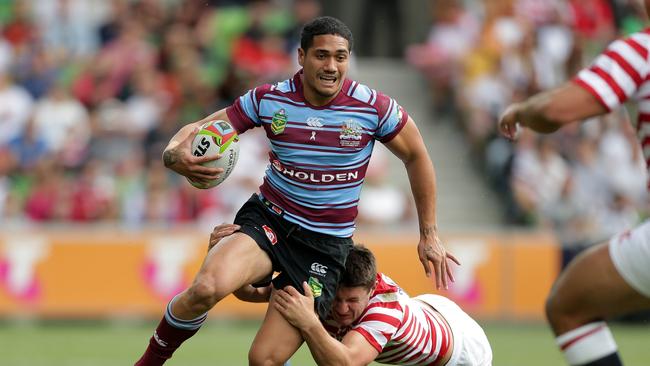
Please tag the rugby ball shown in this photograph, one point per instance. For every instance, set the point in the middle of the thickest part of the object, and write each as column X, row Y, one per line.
column 216, row 137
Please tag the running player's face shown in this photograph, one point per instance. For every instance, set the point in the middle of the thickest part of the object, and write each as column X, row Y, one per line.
column 325, row 65
column 349, row 304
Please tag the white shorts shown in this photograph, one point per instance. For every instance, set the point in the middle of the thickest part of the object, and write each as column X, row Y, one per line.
column 630, row 253
column 471, row 346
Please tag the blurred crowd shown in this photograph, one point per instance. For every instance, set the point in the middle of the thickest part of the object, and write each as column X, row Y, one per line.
column 585, row 182
column 91, row 91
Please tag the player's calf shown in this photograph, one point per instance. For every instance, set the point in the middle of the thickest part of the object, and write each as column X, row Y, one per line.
column 171, row 332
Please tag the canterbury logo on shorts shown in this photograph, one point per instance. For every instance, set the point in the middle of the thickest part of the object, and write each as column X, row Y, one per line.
column 318, row 269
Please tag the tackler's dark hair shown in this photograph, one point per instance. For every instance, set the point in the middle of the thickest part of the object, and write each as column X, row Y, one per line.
column 360, row 268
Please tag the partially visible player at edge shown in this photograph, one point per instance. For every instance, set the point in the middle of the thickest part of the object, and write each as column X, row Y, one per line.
column 321, row 128
column 612, row 278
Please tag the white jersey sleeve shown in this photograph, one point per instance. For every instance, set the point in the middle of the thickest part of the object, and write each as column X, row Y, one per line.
column 618, row 73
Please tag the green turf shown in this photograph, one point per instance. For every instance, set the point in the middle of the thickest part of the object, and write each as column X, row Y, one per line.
column 222, row 343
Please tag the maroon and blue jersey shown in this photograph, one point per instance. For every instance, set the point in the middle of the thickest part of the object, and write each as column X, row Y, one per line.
column 318, row 155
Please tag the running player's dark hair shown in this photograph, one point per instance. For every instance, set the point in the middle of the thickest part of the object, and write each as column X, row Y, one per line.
column 324, row 25
column 360, row 268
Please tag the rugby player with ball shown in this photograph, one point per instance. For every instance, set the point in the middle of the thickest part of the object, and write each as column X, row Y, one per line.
column 321, row 128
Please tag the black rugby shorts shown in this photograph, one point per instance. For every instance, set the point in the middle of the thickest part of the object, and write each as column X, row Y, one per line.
column 297, row 253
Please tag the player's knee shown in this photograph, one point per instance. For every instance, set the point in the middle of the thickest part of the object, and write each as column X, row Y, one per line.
column 205, row 293
column 559, row 313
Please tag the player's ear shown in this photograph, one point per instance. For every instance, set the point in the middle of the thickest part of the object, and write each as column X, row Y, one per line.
column 301, row 56
column 372, row 289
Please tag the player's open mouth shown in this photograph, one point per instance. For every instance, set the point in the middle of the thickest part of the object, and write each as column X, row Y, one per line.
column 328, row 80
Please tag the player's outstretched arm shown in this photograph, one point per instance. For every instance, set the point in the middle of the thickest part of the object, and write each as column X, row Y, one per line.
column 298, row 309
column 178, row 157
column 409, row 147
column 546, row 112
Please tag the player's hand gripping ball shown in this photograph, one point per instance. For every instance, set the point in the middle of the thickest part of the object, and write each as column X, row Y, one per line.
column 217, row 137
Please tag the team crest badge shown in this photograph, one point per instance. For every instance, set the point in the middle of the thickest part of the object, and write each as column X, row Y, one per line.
column 350, row 134
column 279, row 122
column 316, row 286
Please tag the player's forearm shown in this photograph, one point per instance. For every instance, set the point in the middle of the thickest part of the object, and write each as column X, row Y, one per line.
column 326, row 350
column 422, row 178
column 546, row 112
column 249, row 293
column 537, row 114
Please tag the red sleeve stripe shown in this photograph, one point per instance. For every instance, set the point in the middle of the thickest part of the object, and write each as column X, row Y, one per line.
column 373, row 342
column 642, row 51
column 611, row 82
column 592, row 91
column 629, row 70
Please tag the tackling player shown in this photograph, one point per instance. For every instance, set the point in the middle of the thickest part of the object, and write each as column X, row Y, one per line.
column 612, row 278
column 372, row 319
column 321, row 128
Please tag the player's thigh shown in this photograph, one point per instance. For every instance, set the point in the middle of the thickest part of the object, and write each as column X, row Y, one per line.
column 276, row 340
column 591, row 288
column 235, row 261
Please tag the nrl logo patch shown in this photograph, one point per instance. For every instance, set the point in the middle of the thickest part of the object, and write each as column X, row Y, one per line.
column 279, row 122
column 316, row 286
column 350, row 134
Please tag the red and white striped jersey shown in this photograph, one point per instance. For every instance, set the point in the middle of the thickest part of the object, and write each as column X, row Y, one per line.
column 404, row 331
column 622, row 73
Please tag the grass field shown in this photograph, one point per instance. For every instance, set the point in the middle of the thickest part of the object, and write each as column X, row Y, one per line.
column 226, row 343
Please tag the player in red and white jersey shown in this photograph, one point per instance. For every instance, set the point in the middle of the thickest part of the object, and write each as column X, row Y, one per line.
column 612, row 278
column 373, row 319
